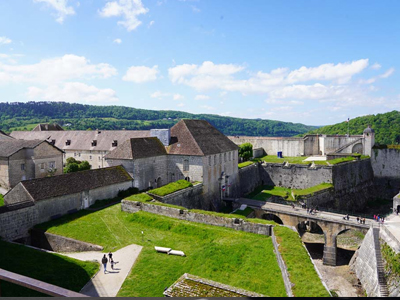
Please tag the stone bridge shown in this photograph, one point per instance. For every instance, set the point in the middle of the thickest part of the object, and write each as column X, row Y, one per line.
column 331, row 224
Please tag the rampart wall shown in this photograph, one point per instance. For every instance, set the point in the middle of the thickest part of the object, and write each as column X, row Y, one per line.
column 209, row 219
column 386, row 166
column 190, row 198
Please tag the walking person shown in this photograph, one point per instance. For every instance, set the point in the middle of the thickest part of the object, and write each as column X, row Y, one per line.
column 112, row 263
column 110, row 255
column 104, row 262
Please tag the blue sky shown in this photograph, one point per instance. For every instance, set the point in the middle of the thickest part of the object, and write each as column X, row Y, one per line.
column 312, row 62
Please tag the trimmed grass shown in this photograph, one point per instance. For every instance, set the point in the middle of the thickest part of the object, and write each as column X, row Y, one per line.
column 245, row 164
column 244, row 212
column 302, row 275
column 1, row 200
column 52, row 268
column 237, row 258
column 143, row 197
column 171, row 188
column 265, row 192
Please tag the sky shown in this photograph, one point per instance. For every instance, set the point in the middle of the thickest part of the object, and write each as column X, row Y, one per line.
column 312, row 62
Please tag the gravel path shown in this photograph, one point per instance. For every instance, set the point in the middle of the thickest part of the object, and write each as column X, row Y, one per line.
column 108, row 284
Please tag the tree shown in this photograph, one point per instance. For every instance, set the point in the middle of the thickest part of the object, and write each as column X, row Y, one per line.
column 84, row 166
column 74, row 165
column 246, row 151
column 69, row 168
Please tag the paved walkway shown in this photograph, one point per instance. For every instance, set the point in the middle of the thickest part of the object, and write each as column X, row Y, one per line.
column 323, row 215
column 392, row 223
column 108, row 284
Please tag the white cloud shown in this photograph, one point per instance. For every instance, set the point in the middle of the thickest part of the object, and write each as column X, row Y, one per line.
column 342, row 72
column 177, row 97
column 140, row 74
column 181, row 104
column 151, row 23
column 61, row 8
column 4, row 40
column 375, row 66
column 72, row 92
column 207, row 107
column 159, row 95
column 195, row 9
column 117, row 41
column 53, row 70
column 387, row 73
column 128, row 9
column 201, row 97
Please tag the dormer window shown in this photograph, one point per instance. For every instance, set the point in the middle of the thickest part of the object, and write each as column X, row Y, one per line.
column 68, row 142
column 53, row 142
column 94, row 143
column 115, row 143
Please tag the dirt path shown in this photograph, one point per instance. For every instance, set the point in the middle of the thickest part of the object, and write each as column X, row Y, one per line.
column 340, row 280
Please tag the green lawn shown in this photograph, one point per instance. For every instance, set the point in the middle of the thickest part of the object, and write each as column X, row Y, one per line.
column 266, row 191
column 302, row 275
column 245, row 164
column 171, row 188
column 56, row 269
column 1, row 200
column 237, row 258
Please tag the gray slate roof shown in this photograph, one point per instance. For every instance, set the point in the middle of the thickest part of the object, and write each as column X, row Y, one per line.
column 138, row 148
column 4, row 136
column 198, row 137
column 9, row 147
column 71, row 183
column 47, row 127
column 82, row 140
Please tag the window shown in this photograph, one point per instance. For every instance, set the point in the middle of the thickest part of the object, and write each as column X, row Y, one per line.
column 225, row 157
column 94, row 143
column 220, row 158
column 185, row 165
column 22, row 167
column 42, row 166
column 52, row 165
column 68, row 142
column 230, row 156
column 90, row 157
column 209, row 160
column 215, row 160
column 79, row 154
column 53, row 142
column 75, row 154
column 115, row 143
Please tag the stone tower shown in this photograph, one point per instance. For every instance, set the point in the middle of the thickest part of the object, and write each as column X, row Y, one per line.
column 369, row 140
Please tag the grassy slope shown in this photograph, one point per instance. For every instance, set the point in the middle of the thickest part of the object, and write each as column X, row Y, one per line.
column 62, row 271
column 232, row 257
column 171, row 188
column 265, row 192
column 302, row 275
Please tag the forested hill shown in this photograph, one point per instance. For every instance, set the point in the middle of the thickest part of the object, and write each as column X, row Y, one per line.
column 24, row 116
column 386, row 126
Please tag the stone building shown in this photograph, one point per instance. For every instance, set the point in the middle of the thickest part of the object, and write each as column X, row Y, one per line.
column 58, row 195
column 145, row 159
column 48, row 127
column 23, row 159
column 309, row 145
column 90, row 145
column 199, row 152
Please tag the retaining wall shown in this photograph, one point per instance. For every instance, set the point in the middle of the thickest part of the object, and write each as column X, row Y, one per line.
column 234, row 223
column 190, row 198
column 366, row 264
column 15, row 221
column 58, row 243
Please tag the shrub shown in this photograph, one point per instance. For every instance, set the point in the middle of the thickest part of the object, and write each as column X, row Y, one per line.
column 246, row 151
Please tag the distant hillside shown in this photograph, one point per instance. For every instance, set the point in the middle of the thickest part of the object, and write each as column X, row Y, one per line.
column 386, row 126
column 24, row 116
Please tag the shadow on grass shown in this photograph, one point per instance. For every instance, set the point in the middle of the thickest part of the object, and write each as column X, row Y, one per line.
column 51, row 268
column 63, row 220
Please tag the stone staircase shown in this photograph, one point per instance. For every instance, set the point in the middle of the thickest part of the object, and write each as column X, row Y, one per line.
column 347, row 145
column 384, row 292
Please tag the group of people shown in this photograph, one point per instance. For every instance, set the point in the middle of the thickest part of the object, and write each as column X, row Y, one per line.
column 360, row 220
column 104, row 261
column 312, row 210
column 379, row 218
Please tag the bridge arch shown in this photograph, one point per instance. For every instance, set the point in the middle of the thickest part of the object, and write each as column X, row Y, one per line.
column 357, row 148
column 272, row 217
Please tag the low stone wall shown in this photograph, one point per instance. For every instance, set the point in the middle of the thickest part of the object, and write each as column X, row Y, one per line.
column 249, row 178
column 190, row 197
column 16, row 220
column 282, row 266
column 366, row 265
column 58, row 243
column 234, row 223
